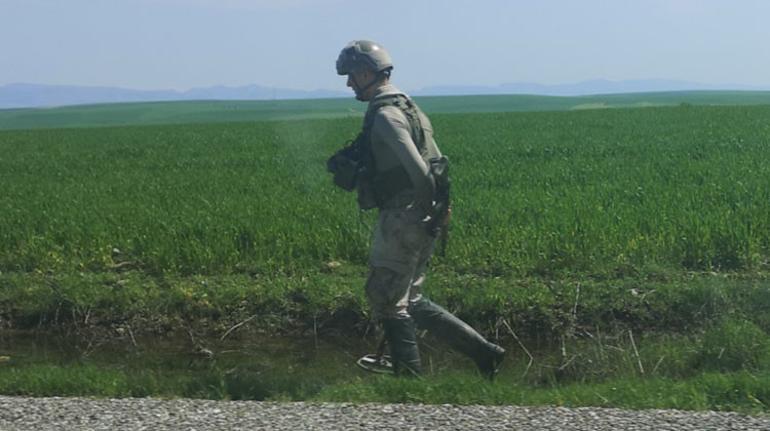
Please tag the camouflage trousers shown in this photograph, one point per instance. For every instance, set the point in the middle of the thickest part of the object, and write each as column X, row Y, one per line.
column 401, row 249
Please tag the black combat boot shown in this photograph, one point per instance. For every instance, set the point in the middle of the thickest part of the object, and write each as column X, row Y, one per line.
column 402, row 342
column 458, row 335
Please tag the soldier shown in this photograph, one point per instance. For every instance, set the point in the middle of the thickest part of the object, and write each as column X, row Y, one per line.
column 396, row 167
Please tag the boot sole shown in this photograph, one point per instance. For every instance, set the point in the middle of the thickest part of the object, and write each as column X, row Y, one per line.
column 379, row 364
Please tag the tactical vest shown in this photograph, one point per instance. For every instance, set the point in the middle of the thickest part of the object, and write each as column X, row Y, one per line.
column 383, row 186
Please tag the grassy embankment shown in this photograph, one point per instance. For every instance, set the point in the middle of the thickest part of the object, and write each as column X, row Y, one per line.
column 650, row 225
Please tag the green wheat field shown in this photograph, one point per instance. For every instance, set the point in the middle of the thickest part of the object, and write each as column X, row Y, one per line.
column 685, row 188
column 645, row 215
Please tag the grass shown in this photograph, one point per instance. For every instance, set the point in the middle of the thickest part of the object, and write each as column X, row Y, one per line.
column 321, row 300
column 229, row 220
column 625, row 248
column 680, row 372
column 744, row 392
column 679, row 379
column 536, row 194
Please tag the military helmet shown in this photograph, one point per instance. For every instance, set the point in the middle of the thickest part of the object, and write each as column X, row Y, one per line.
column 363, row 53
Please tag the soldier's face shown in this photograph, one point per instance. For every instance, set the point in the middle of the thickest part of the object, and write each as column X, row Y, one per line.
column 359, row 80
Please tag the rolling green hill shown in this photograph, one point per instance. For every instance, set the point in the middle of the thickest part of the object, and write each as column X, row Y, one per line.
column 261, row 110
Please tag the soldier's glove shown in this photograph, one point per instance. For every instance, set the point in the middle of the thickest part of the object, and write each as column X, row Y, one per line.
column 344, row 168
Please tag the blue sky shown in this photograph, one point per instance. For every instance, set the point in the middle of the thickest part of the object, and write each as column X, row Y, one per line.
column 180, row 44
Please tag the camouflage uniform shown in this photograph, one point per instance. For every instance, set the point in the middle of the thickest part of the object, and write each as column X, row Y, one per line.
column 396, row 147
column 401, row 244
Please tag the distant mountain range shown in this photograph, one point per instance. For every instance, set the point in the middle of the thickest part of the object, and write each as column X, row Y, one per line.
column 39, row 95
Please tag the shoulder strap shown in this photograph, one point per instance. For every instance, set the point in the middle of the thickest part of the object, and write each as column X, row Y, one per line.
column 405, row 105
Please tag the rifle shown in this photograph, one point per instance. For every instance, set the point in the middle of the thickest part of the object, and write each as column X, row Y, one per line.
column 441, row 212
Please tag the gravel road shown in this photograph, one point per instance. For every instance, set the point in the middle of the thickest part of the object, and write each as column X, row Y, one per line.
column 42, row 414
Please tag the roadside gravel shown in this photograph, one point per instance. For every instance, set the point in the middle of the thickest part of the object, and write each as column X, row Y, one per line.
column 43, row 414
